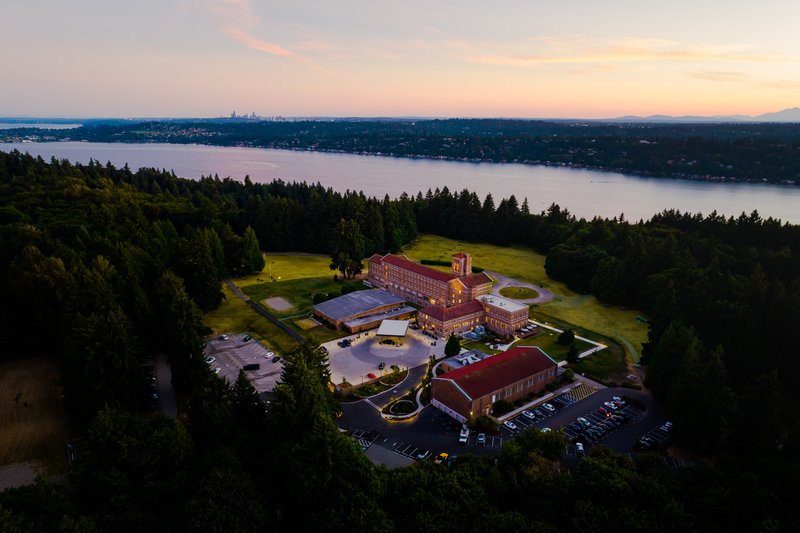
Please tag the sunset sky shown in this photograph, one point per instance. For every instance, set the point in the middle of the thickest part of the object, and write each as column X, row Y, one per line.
column 510, row 58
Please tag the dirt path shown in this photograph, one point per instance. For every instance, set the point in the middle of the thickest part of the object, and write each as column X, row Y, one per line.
column 504, row 281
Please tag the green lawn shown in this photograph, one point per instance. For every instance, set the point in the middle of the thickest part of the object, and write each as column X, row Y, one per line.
column 299, row 292
column 527, row 265
column 296, row 278
column 519, row 293
column 288, row 267
column 548, row 341
column 235, row 316
column 479, row 346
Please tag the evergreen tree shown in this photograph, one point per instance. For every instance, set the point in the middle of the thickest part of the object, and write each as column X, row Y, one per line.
column 453, row 346
column 253, row 258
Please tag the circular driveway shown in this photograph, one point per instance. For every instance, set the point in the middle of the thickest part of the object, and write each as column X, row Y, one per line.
column 366, row 353
column 502, row 281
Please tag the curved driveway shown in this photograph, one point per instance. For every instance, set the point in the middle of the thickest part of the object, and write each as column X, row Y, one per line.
column 504, row 281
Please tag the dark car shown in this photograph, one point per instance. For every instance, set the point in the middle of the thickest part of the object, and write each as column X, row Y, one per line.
column 247, row 338
column 381, row 366
column 276, row 358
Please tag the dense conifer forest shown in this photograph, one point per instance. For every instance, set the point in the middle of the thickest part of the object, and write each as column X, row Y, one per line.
column 102, row 266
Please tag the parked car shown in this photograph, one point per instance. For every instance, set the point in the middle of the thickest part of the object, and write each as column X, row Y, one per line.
column 579, row 448
column 510, row 425
column 549, row 407
column 251, row 366
column 529, row 415
column 210, row 359
column 463, row 436
column 602, row 411
column 217, row 370
column 276, row 358
column 372, row 376
column 610, row 406
column 539, row 413
column 441, row 458
column 545, row 430
column 584, row 422
column 481, row 438
column 381, row 366
column 223, row 337
column 246, row 338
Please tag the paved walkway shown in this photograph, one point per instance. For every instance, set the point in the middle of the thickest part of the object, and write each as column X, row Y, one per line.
column 504, row 281
column 413, row 379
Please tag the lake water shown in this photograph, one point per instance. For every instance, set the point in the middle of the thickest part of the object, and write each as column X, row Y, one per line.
column 585, row 193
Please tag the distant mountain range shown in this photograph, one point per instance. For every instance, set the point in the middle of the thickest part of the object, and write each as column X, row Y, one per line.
column 791, row 114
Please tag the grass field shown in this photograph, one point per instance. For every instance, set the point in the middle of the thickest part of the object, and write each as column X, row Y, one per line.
column 296, row 278
column 584, row 311
column 520, row 293
column 289, row 267
column 299, row 292
column 235, row 316
column 37, row 432
column 548, row 341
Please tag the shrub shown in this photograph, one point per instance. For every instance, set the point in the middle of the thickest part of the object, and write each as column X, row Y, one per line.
column 569, row 375
column 484, row 424
column 502, row 407
column 566, row 337
column 551, row 387
column 319, row 298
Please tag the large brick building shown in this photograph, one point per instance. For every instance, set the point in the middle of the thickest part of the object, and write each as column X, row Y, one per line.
column 472, row 390
column 423, row 285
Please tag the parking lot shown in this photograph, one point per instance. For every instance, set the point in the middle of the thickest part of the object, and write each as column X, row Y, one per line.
column 589, row 423
column 231, row 352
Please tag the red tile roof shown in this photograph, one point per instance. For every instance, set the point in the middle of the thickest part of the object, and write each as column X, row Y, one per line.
column 443, row 314
column 499, row 371
column 460, row 255
column 404, row 262
column 377, row 258
column 474, row 280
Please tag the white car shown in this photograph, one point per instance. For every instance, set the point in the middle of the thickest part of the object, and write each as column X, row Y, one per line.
column 529, row 415
column 463, row 436
column 610, row 406
column 510, row 425
column 217, row 370
column 549, row 407
column 210, row 359
column 579, row 448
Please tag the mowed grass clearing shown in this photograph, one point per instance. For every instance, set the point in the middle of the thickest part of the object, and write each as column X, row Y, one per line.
column 519, row 293
column 525, row 264
column 296, row 278
column 285, row 267
column 37, row 432
column 235, row 316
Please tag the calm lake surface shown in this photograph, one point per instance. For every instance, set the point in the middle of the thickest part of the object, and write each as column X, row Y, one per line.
column 585, row 193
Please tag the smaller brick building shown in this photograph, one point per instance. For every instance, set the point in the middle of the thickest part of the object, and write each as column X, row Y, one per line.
column 442, row 321
column 501, row 315
column 474, row 389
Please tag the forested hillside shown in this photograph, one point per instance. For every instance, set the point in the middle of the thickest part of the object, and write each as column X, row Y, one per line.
column 101, row 267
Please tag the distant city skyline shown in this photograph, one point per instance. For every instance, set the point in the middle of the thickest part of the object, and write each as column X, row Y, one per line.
column 182, row 58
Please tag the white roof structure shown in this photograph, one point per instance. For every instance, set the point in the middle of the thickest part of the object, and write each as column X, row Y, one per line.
column 393, row 328
column 502, row 303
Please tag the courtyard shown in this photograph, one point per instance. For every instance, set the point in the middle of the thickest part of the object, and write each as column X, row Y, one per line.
column 365, row 353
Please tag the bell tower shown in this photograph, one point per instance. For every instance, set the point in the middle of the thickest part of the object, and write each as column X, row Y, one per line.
column 461, row 264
